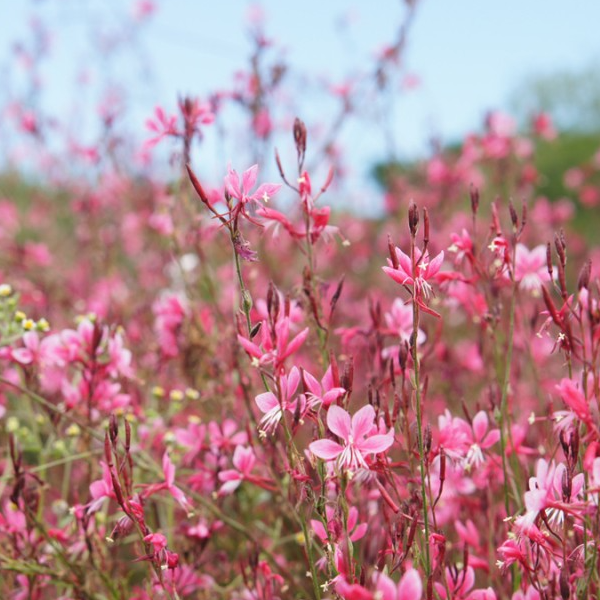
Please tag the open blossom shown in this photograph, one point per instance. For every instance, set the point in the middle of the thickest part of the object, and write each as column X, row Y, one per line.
column 546, row 493
column 273, row 407
column 356, row 532
column 574, row 398
column 399, row 321
column 324, row 392
column 169, row 485
column 274, row 348
column 531, row 269
column 356, row 434
column 241, row 190
column 243, row 461
column 417, row 276
column 482, row 439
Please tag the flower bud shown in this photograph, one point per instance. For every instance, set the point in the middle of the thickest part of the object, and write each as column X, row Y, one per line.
column 413, row 219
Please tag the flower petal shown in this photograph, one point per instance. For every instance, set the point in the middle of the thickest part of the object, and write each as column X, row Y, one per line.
column 376, row 444
column 249, row 179
column 480, row 425
column 325, row 449
column 266, row 401
column 338, row 421
column 362, row 422
column 410, row 586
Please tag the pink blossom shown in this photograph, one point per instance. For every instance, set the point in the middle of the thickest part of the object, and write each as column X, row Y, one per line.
column 481, row 439
column 531, row 269
column 409, row 587
column 356, row 434
column 274, row 348
column 356, row 532
column 272, row 406
column 241, row 190
column 323, row 393
column 573, row 397
column 162, row 125
column 418, row 276
column 243, row 461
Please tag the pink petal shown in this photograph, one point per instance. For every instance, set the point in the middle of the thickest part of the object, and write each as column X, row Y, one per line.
column 229, row 487
column 338, row 421
column 180, row 498
column 480, row 425
column 230, row 475
column 352, row 518
column 327, row 381
column 319, row 529
column 491, row 438
column 332, row 395
column 22, row 356
column 404, row 261
column 362, row 422
column 232, row 184
column 249, row 179
column 386, row 588
column 314, row 387
column 249, row 347
column 292, row 382
column 410, row 587
column 295, row 344
column 244, row 459
column 376, row 444
column 270, row 189
column 266, row 401
column 168, row 469
column 398, row 276
column 435, row 264
column 325, row 449
column 359, row 532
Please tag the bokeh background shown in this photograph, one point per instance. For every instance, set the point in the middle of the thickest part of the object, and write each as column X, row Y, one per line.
column 67, row 63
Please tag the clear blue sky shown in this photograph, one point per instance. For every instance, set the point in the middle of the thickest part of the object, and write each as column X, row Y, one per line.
column 469, row 54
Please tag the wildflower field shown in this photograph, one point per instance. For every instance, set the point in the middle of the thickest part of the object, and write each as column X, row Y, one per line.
column 219, row 383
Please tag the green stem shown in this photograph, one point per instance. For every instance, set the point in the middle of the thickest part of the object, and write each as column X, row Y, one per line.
column 420, row 436
column 504, row 422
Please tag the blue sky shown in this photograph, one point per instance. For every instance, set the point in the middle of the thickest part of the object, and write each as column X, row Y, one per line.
column 468, row 54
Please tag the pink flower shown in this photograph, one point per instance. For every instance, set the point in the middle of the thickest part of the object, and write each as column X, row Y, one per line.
column 356, row 532
column 323, row 393
column 242, row 192
column 542, row 126
column 482, row 439
column 169, row 473
column 416, row 276
column 157, row 540
column 162, row 125
column 573, row 397
column 410, row 587
column 546, row 493
column 31, row 350
column 272, row 406
column 355, row 432
column 531, row 269
column 399, row 320
column 100, row 489
column 243, row 461
column 275, row 348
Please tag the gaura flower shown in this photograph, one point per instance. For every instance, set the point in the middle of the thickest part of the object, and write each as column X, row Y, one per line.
column 355, row 432
column 417, row 276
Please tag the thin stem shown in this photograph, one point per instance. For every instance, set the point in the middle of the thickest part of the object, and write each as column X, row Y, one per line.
column 417, row 386
column 504, row 397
